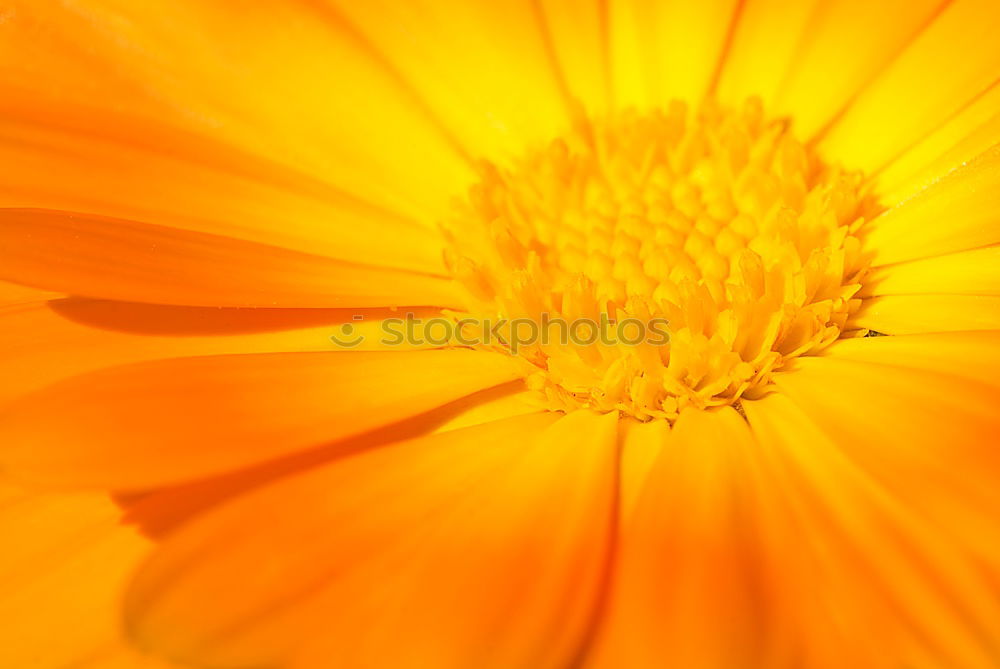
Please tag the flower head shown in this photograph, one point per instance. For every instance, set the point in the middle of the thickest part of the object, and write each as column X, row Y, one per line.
column 718, row 380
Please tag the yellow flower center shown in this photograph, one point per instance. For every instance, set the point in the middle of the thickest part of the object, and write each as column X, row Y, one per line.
column 716, row 228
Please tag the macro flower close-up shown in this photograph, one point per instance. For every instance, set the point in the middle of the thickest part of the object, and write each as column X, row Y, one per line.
column 535, row 334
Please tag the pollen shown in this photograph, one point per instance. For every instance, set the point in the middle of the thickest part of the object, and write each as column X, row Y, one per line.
column 714, row 229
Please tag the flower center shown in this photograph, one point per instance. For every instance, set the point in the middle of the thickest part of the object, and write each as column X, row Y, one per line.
column 726, row 245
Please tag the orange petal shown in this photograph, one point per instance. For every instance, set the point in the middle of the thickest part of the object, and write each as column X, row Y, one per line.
column 957, row 213
column 952, row 483
column 166, row 421
column 44, row 341
column 641, row 447
column 222, row 71
column 14, row 296
column 101, row 257
column 63, row 569
column 479, row 547
column 951, row 62
column 886, row 465
column 86, row 163
column 683, row 593
column 161, row 510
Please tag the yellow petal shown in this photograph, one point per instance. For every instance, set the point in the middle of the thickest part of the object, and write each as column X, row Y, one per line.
column 579, row 37
column 844, row 44
column 971, row 132
column 167, row 421
column 479, row 547
column 951, row 62
column 667, row 50
column 957, row 213
column 968, row 355
column 912, row 314
column 975, row 272
column 484, row 69
column 764, row 48
column 118, row 259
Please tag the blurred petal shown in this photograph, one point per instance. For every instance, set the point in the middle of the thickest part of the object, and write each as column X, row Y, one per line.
column 684, row 590
column 222, row 70
column 87, row 162
column 484, row 68
column 843, row 46
column 641, row 447
column 166, row 421
column 63, row 569
column 483, row 546
column 954, row 60
column 764, row 48
column 667, row 50
column 43, row 341
column 901, row 502
column 579, row 34
column 160, row 511
column 118, row 259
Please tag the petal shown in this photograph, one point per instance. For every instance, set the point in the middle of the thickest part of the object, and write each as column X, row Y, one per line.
column 888, row 463
column 15, row 296
column 641, row 447
column 118, row 259
column 913, row 314
column 166, row 421
column 957, row 213
column 683, row 592
column 971, row 132
column 668, row 50
column 480, row 547
column 222, row 71
column 844, row 45
column 484, row 68
column 968, row 355
column 951, row 484
column 764, row 48
column 579, row 35
column 43, row 341
column 975, row 272
column 160, row 511
column 954, row 60
column 187, row 181
column 63, row 568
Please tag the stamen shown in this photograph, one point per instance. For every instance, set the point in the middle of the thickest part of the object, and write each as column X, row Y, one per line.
column 718, row 221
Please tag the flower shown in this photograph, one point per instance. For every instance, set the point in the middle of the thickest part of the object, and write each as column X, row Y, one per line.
column 203, row 201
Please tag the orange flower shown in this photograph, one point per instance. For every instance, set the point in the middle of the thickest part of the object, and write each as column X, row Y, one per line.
column 299, row 301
